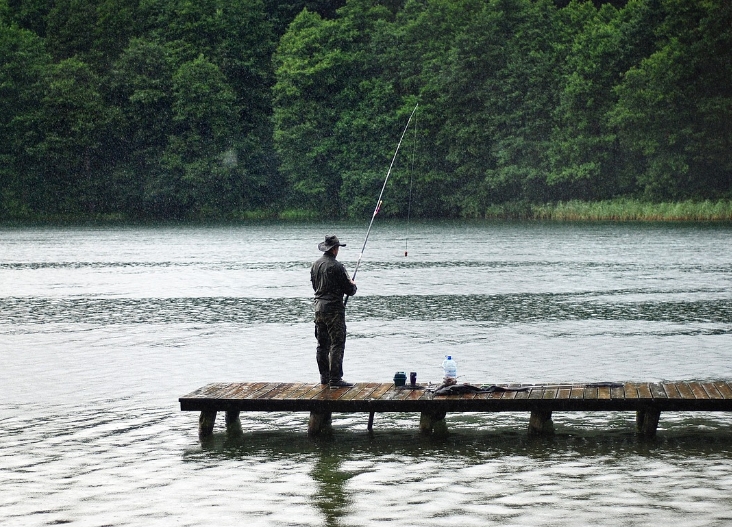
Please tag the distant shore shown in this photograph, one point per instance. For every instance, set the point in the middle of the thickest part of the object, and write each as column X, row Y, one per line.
column 620, row 210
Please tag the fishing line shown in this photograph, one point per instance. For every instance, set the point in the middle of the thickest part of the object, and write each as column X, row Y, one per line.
column 378, row 201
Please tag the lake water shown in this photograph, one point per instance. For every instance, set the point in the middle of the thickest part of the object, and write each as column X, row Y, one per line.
column 103, row 328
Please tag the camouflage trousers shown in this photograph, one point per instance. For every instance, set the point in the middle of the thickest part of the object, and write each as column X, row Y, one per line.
column 330, row 330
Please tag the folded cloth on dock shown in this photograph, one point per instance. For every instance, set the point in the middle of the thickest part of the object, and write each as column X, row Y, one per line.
column 460, row 389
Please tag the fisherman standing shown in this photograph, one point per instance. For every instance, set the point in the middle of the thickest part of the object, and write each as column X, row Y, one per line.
column 330, row 282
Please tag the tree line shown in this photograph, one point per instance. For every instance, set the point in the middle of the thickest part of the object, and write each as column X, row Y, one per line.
column 222, row 108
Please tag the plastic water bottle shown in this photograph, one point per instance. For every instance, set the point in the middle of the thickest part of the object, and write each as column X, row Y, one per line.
column 450, row 368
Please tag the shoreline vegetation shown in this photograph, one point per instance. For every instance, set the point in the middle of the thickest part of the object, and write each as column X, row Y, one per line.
column 176, row 110
column 619, row 210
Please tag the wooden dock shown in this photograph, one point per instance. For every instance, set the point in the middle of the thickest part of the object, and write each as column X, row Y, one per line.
column 648, row 400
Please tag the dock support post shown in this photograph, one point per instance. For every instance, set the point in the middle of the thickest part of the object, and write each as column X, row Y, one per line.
column 233, row 424
column 540, row 422
column 232, row 416
column 371, row 422
column 433, row 423
column 646, row 420
column 320, row 422
column 206, row 423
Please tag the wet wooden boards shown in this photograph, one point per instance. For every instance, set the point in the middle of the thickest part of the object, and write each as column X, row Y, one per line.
column 647, row 399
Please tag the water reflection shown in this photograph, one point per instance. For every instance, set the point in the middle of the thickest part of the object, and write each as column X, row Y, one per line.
column 473, row 439
column 489, row 469
column 331, row 498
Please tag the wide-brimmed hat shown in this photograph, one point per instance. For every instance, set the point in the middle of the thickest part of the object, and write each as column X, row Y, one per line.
column 330, row 242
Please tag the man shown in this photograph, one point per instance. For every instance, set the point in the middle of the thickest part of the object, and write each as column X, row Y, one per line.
column 330, row 282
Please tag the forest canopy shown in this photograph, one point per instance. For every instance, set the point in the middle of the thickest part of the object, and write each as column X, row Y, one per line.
column 218, row 108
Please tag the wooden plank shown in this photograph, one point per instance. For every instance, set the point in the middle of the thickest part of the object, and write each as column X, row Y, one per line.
column 617, row 392
column 631, row 390
column 316, row 391
column 369, row 391
column 577, row 392
column 550, row 393
column 266, row 390
column 404, row 395
column 272, row 394
column 348, row 391
column 536, row 392
column 711, row 390
column 358, row 392
column 296, row 392
column 286, row 391
column 506, row 396
column 685, row 390
column 564, row 392
column 381, row 390
column 232, row 391
column 724, row 389
column 244, row 390
column 698, row 390
column 417, row 395
column 391, row 393
column 644, row 391
column 603, row 392
column 219, row 392
column 657, row 391
column 672, row 392
column 523, row 395
column 590, row 393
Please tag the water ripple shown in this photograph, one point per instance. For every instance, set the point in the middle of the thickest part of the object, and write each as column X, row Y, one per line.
column 499, row 309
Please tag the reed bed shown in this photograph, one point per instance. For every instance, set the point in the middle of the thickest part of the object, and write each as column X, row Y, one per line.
column 616, row 210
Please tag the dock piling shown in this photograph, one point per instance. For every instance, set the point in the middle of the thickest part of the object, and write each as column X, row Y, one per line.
column 206, row 423
column 433, row 422
column 540, row 423
column 320, row 423
column 646, row 420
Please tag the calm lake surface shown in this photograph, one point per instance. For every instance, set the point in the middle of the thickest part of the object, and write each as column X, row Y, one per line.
column 103, row 328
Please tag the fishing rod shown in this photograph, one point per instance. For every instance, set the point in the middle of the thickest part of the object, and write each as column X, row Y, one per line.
column 378, row 201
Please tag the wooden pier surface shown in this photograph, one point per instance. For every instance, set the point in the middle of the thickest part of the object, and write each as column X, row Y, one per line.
column 385, row 397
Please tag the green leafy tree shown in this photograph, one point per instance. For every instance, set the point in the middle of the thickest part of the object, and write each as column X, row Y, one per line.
column 200, row 173
column 26, row 14
column 675, row 107
column 142, row 88
column 499, row 95
column 74, row 122
column 22, row 71
column 314, row 65
column 415, row 55
column 236, row 37
column 585, row 158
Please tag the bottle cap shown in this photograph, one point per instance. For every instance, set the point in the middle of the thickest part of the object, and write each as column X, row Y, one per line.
column 449, row 357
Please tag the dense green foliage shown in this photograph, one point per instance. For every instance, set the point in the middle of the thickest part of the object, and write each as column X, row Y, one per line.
column 227, row 108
